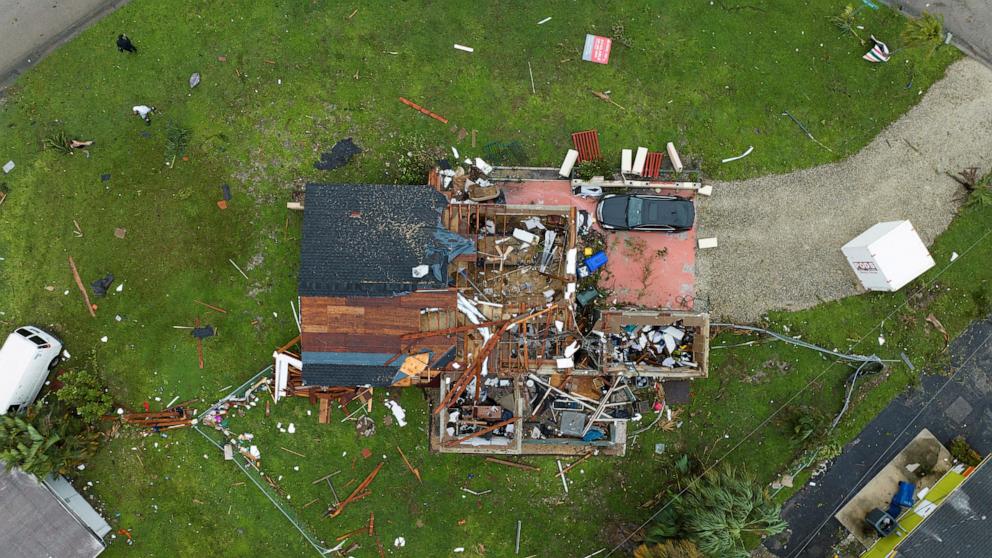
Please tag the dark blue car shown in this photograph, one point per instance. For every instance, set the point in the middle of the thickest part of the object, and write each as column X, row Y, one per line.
column 645, row 212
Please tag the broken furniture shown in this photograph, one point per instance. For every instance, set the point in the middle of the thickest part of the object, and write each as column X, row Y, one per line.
column 658, row 344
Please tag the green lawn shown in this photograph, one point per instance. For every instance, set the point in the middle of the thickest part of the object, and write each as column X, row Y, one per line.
column 297, row 77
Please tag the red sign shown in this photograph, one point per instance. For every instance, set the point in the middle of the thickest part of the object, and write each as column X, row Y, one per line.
column 597, row 49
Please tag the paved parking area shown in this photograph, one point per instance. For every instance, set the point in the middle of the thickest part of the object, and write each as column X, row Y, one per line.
column 656, row 270
column 30, row 29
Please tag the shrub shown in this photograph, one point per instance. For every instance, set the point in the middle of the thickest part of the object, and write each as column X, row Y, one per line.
column 981, row 194
column 413, row 165
column 588, row 169
column 963, row 452
column 45, row 441
column 84, row 392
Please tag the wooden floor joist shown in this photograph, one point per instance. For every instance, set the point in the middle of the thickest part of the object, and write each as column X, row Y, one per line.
column 324, row 413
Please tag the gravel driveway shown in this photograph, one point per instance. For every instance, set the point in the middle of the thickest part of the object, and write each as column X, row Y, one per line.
column 780, row 236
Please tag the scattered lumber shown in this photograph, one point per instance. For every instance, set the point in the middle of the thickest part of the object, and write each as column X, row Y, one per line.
column 359, row 493
column 173, row 417
column 324, row 412
column 349, row 534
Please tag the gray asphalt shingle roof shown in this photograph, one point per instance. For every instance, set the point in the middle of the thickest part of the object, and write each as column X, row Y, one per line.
column 348, row 375
column 961, row 527
column 34, row 523
column 365, row 239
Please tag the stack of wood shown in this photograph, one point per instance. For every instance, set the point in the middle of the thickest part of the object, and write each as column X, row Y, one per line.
column 174, row 417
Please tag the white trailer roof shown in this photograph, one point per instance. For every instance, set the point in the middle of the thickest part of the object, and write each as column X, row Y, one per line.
column 895, row 249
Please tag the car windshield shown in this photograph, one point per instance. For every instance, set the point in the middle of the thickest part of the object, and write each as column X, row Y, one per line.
column 634, row 208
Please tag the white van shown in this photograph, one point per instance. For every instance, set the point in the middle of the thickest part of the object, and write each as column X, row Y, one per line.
column 25, row 360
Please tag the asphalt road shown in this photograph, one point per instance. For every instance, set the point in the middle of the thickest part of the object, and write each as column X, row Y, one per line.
column 961, row 405
column 30, row 29
column 970, row 21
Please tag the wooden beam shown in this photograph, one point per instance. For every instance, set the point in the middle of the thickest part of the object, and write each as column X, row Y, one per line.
column 515, row 464
column 448, row 331
column 414, row 470
column 466, row 378
column 288, row 345
column 216, row 308
column 82, row 289
column 574, row 463
column 359, row 491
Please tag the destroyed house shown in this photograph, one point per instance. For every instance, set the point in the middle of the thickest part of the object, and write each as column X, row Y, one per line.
column 374, row 267
column 401, row 286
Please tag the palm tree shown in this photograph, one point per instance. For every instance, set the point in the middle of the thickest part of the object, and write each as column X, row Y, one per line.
column 924, row 31
column 847, row 21
column 717, row 511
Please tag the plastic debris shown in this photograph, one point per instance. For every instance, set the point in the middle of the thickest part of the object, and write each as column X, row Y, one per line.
column 398, row 412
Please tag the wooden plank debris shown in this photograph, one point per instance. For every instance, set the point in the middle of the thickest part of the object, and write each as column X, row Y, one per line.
column 357, row 494
column 515, row 464
column 414, row 470
column 325, row 477
column 561, row 473
column 324, row 412
column 297, row 454
column 210, row 306
column 413, row 105
column 238, row 268
column 574, row 463
column 82, row 289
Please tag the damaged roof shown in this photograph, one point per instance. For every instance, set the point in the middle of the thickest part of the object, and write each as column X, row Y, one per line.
column 365, row 239
column 348, row 341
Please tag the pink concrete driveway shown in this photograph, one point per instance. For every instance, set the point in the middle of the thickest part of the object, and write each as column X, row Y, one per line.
column 656, row 270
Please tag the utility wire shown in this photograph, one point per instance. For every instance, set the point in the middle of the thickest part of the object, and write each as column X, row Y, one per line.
column 788, row 402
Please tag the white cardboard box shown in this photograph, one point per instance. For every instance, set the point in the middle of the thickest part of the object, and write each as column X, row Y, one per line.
column 888, row 256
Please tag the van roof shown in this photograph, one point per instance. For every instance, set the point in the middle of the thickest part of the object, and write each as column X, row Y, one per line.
column 15, row 357
column 16, row 353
